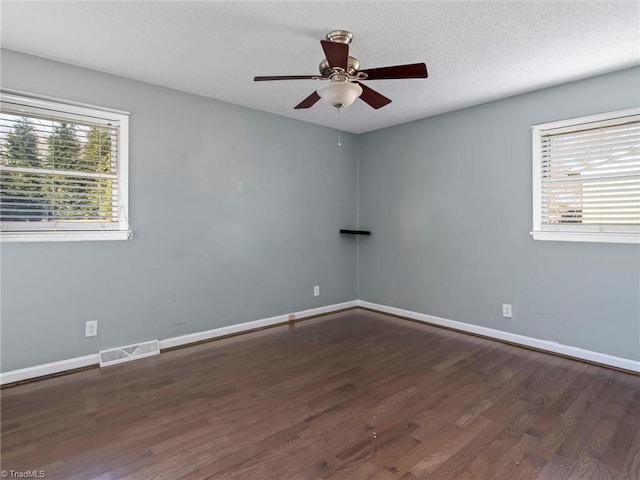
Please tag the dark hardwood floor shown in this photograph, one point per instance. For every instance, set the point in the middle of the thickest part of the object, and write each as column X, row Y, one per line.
column 356, row 395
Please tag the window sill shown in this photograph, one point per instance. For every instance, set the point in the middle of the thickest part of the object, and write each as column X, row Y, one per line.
column 587, row 237
column 61, row 236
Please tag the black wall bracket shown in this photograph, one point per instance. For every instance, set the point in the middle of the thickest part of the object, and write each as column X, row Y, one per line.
column 355, row 232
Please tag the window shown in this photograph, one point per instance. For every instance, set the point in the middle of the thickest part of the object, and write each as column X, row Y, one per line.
column 586, row 178
column 63, row 171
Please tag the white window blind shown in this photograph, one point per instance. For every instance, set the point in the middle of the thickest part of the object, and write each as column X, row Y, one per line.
column 63, row 169
column 587, row 178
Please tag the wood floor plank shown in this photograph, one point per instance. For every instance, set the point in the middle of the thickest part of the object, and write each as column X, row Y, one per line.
column 631, row 467
column 558, row 468
column 356, row 395
column 583, row 430
column 506, row 466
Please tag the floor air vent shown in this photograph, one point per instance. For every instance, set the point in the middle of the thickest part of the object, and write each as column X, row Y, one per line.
column 128, row 353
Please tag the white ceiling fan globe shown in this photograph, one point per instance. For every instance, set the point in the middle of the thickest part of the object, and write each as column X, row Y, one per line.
column 340, row 94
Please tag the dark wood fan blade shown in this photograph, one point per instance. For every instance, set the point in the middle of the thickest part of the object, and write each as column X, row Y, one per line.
column 413, row 70
column 337, row 53
column 373, row 98
column 310, row 101
column 285, row 77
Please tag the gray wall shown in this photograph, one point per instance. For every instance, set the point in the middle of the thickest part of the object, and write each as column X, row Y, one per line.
column 235, row 213
column 448, row 200
column 236, row 216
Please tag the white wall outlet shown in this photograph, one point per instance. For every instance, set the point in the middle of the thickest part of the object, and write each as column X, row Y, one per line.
column 316, row 291
column 507, row 310
column 91, row 328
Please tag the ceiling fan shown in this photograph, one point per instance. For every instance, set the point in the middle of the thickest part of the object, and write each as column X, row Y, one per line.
column 346, row 78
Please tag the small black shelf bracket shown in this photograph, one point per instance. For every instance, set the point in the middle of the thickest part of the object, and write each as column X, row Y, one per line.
column 355, row 232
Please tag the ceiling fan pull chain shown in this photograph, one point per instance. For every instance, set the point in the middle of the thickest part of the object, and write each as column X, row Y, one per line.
column 339, row 128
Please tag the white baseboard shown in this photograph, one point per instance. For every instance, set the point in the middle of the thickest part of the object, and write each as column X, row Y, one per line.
column 546, row 345
column 48, row 368
column 94, row 359
column 243, row 327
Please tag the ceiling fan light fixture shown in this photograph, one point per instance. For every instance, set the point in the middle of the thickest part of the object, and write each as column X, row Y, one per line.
column 340, row 94
column 343, row 71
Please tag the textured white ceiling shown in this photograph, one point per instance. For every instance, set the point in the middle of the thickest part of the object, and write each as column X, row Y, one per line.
column 475, row 51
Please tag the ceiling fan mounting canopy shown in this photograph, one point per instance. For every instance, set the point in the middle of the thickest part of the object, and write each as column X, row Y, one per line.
column 339, row 36
column 345, row 75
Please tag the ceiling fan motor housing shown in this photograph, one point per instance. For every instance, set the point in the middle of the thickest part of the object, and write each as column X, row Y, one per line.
column 352, row 67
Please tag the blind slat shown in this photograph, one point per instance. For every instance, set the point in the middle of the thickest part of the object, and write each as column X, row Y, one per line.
column 45, row 172
column 590, row 174
column 57, row 167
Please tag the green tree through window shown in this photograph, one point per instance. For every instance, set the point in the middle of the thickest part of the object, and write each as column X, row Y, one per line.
column 20, row 195
column 60, row 147
column 97, row 153
column 63, row 171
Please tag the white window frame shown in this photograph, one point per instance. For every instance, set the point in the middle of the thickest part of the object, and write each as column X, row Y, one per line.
column 593, row 233
column 30, row 103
